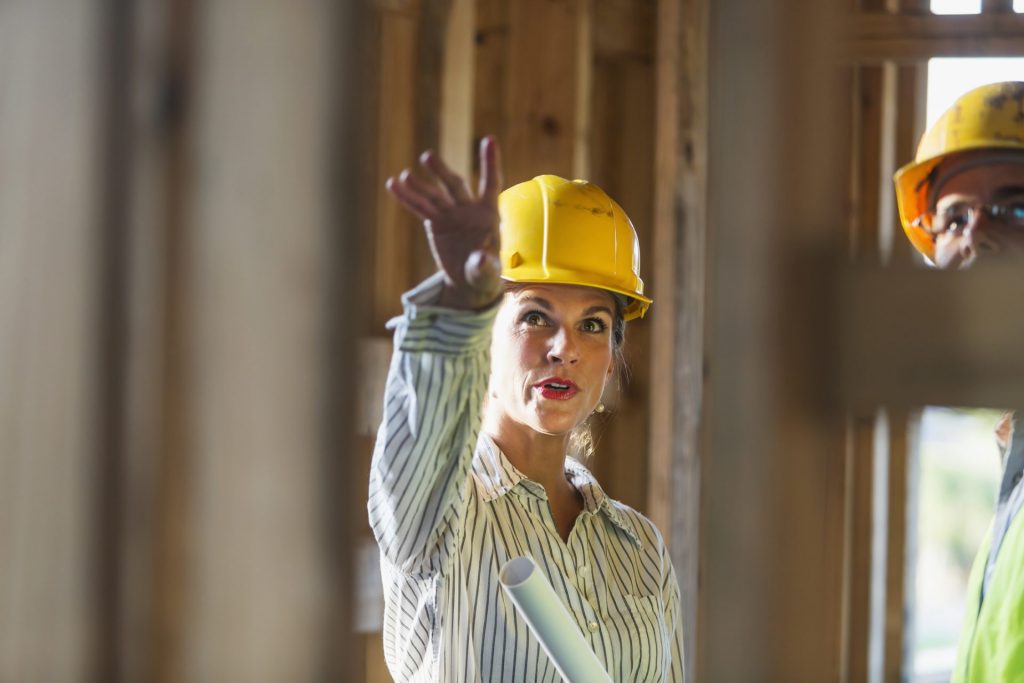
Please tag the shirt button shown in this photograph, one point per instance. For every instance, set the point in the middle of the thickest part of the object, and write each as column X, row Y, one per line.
column 584, row 571
column 592, row 627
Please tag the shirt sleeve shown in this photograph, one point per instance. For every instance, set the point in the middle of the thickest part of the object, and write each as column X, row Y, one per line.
column 432, row 412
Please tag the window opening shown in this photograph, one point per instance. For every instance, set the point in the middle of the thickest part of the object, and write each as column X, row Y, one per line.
column 956, row 6
column 958, row 470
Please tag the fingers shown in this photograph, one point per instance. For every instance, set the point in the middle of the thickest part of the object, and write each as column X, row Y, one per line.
column 433, row 193
column 429, row 200
column 491, row 179
column 410, row 198
column 449, row 179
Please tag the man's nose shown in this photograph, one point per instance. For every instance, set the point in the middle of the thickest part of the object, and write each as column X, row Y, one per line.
column 981, row 237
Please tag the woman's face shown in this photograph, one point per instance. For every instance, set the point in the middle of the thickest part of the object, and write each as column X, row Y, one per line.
column 551, row 355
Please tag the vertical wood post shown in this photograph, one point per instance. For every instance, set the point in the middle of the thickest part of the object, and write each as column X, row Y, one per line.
column 53, row 79
column 547, row 121
column 678, row 322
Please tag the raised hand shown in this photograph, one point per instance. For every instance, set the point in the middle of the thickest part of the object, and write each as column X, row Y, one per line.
column 462, row 228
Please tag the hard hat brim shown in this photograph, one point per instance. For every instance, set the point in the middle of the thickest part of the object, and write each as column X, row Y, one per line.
column 912, row 198
column 638, row 303
column 913, row 183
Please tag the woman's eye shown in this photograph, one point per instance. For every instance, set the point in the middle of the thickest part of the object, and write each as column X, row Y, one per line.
column 594, row 325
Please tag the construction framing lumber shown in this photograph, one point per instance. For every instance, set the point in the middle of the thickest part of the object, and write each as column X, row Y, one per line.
column 877, row 37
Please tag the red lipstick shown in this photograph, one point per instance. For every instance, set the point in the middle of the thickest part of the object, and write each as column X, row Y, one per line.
column 557, row 388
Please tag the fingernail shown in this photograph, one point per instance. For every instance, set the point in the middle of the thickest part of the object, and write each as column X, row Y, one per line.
column 404, row 175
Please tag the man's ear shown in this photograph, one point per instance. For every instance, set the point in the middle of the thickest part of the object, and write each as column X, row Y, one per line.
column 1004, row 430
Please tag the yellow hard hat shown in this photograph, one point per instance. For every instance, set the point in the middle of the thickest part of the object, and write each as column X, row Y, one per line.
column 570, row 232
column 989, row 117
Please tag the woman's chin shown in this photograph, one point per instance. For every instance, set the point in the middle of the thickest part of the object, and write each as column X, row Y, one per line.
column 555, row 424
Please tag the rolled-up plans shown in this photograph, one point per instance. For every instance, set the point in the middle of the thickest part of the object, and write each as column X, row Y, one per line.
column 556, row 631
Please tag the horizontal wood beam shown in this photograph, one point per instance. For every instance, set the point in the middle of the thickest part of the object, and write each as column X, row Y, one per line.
column 396, row 5
column 876, row 37
column 915, row 337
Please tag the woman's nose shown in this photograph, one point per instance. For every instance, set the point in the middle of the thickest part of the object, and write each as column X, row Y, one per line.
column 563, row 348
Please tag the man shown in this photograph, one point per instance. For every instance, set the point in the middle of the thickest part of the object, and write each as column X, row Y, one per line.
column 961, row 200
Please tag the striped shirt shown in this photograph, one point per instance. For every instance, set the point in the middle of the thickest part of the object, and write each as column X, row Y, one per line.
column 448, row 510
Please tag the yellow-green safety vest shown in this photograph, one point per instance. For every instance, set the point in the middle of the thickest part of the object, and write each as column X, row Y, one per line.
column 991, row 646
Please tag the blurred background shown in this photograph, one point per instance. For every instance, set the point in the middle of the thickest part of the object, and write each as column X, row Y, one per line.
column 197, row 260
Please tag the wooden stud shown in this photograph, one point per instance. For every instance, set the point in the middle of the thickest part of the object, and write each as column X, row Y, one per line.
column 664, row 252
column 427, row 86
column 996, row 7
column 896, row 549
column 865, row 241
column 621, row 145
column 858, row 547
column 53, row 80
column 775, row 136
column 546, row 120
column 584, row 85
column 376, row 669
column 624, row 29
column 396, row 229
column 260, row 585
column 910, row 107
column 341, row 652
column 435, row 20
column 677, row 326
column 915, row 6
column 172, row 556
column 457, row 78
column 490, row 109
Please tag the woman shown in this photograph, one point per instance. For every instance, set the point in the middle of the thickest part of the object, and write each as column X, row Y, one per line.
column 499, row 358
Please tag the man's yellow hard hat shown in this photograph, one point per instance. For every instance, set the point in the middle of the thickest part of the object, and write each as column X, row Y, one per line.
column 555, row 230
column 989, row 117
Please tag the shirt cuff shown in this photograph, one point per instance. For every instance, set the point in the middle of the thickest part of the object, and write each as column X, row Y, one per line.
column 427, row 326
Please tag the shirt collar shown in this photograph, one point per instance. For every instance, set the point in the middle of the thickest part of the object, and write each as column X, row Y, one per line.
column 495, row 476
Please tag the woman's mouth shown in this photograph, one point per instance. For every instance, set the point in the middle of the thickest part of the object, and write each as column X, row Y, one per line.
column 557, row 388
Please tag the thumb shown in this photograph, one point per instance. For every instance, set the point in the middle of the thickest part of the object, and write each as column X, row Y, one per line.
column 483, row 272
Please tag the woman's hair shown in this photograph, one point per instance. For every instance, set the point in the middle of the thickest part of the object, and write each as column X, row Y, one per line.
column 581, row 439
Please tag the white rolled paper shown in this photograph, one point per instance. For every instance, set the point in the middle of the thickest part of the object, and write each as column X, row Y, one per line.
column 551, row 624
